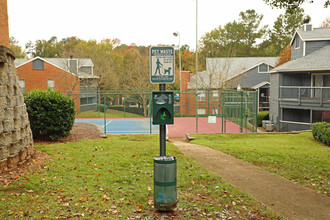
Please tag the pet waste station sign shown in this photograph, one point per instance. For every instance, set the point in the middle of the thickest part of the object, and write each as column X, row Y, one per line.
column 162, row 66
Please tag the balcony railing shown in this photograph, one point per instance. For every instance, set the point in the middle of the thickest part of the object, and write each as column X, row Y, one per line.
column 305, row 94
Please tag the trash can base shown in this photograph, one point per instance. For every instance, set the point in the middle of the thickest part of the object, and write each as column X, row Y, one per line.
column 165, row 207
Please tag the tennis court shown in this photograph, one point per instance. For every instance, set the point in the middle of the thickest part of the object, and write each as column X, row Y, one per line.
column 123, row 125
column 180, row 127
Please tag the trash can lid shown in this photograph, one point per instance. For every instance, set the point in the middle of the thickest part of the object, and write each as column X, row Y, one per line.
column 164, row 158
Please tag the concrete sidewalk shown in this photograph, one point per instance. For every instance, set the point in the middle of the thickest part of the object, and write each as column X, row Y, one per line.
column 277, row 193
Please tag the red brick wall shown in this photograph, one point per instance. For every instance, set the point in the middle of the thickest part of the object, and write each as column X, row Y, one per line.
column 4, row 30
column 37, row 79
column 188, row 98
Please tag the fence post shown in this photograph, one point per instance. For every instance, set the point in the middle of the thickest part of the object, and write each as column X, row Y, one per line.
column 105, row 114
column 150, row 111
column 98, row 103
column 241, row 113
column 255, row 126
column 196, row 108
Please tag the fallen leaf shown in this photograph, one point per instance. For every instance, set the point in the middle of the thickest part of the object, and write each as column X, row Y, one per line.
column 105, row 197
column 83, row 199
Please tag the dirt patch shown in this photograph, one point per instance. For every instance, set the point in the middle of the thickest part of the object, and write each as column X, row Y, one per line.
column 79, row 132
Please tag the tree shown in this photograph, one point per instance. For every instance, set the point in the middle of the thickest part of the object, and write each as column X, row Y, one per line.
column 136, row 75
column 285, row 56
column 234, row 39
column 326, row 23
column 291, row 4
column 252, row 31
column 42, row 48
column 19, row 53
column 284, row 28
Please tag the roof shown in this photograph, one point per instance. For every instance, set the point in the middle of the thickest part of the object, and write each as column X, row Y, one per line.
column 234, row 66
column 220, row 70
column 318, row 34
column 319, row 60
column 260, row 85
column 61, row 63
column 205, row 81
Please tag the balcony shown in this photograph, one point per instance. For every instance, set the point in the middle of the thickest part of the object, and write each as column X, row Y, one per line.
column 304, row 96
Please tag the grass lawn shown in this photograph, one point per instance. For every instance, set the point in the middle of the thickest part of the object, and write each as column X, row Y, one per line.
column 113, row 178
column 110, row 114
column 297, row 157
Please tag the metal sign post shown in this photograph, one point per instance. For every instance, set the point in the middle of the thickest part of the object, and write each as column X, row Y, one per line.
column 162, row 71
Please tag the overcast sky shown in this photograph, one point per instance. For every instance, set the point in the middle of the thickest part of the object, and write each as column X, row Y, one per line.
column 143, row 22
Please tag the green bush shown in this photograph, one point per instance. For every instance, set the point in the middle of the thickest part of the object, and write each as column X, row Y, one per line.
column 321, row 132
column 101, row 107
column 264, row 115
column 51, row 114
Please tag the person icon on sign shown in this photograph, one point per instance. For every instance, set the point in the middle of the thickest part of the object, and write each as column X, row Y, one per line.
column 159, row 64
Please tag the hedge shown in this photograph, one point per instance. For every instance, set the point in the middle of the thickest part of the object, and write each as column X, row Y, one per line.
column 51, row 114
column 264, row 115
column 321, row 132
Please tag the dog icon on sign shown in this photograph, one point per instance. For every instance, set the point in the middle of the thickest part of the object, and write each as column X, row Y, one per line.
column 168, row 71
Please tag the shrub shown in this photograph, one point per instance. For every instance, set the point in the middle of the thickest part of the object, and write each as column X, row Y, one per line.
column 321, row 132
column 51, row 114
column 264, row 115
column 101, row 107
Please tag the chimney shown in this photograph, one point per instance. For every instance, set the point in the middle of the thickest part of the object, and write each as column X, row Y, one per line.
column 307, row 25
column 4, row 30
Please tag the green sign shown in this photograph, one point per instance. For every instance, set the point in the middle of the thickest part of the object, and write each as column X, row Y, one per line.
column 162, row 67
column 162, row 105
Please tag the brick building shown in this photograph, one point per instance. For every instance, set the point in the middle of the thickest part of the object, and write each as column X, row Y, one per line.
column 70, row 76
column 208, row 98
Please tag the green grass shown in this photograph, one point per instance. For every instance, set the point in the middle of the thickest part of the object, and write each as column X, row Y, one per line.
column 113, row 178
column 297, row 157
column 110, row 114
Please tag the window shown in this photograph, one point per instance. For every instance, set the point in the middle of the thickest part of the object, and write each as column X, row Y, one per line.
column 319, row 116
column 22, row 85
column 263, row 68
column 201, row 111
column 215, row 111
column 297, row 45
column 51, row 84
column 38, row 64
column 201, row 96
column 215, row 95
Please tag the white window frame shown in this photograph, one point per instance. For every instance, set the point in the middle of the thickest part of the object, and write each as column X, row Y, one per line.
column 215, row 111
column 201, row 96
column 201, row 111
column 297, row 43
column 215, row 95
column 51, row 84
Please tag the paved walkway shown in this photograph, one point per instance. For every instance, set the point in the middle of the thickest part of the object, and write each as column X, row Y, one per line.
column 277, row 193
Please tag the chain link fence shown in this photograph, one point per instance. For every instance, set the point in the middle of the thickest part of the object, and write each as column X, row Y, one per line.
column 204, row 107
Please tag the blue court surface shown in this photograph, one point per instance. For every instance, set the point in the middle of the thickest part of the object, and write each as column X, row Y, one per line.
column 124, row 126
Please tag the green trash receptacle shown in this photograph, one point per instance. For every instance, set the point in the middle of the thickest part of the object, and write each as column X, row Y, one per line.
column 165, row 196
